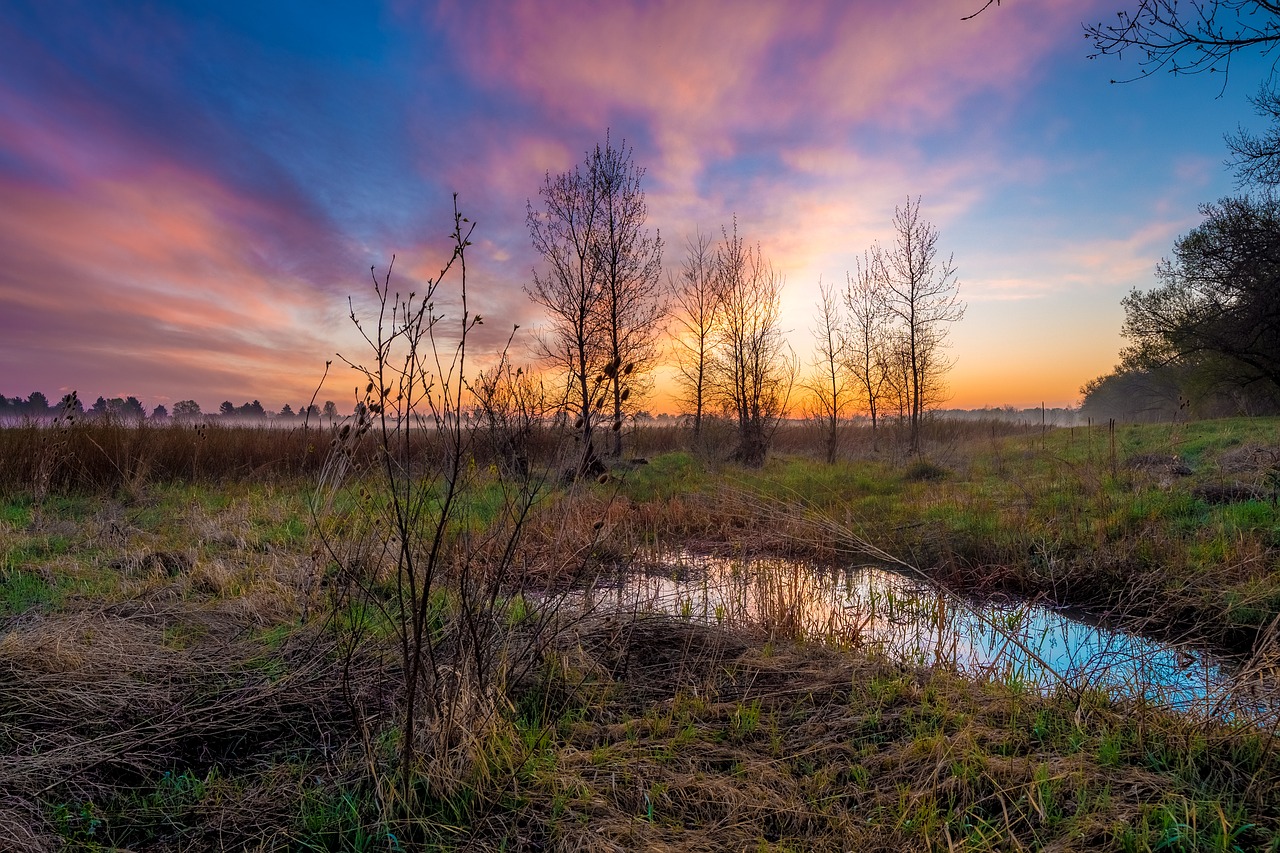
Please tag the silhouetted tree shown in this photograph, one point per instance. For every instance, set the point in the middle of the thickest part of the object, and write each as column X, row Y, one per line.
column 227, row 409
column 868, row 335
column 753, row 367
column 1188, row 36
column 565, row 234
column 1217, row 305
column 37, row 404
column 70, row 406
column 131, row 409
column 924, row 297
column 695, row 296
column 598, row 287
column 160, row 413
column 630, row 264
column 828, row 383
column 186, row 410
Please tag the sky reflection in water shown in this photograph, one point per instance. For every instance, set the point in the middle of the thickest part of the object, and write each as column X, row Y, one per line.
column 914, row 622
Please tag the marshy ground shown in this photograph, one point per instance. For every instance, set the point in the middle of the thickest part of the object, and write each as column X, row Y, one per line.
column 173, row 676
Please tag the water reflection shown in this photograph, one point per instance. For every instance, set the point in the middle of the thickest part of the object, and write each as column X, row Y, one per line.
column 914, row 622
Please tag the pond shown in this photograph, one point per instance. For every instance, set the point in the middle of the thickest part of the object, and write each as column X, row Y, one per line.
column 914, row 621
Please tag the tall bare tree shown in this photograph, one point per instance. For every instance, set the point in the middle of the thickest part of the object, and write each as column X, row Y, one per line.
column 829, row 381
column 754, row 368
column 631, row 298
column 599, row 288
column 867, row 333
column 695, row 297
column 565, row 233
column 924, row 297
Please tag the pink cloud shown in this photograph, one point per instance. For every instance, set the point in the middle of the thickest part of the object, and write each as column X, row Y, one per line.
column 702, row 75
column 158, row 276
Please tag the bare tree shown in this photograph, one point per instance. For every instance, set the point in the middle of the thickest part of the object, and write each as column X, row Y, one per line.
column 828, row 384
column 392, row 509
column 753, row 367
column 630, row 263
column 510, row 408
column 566, row 233
column 1188, row 36
column 924, row 297
column 600, row 288
column 867, row 333
column 695, row 297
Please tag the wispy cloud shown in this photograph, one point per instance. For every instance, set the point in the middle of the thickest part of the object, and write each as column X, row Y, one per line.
column 187, row 198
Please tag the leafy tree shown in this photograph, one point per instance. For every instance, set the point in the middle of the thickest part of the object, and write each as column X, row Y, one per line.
column 70, row 406
column 37, row 404
column 227, row 409
column 130, row 409
column 160, row 413
column 330, row 411
column 186, row 410
column 1217, row 305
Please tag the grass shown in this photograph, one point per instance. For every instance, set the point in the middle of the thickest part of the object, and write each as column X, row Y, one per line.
column 169, row 680
column 1034, row 515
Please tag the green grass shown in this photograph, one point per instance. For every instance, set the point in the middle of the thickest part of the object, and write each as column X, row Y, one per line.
column 1049, row 511
column 669, row 736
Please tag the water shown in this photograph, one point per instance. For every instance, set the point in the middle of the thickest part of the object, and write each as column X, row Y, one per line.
column 915, row 622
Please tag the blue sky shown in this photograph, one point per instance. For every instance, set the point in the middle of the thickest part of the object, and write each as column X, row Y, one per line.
column 189, row 192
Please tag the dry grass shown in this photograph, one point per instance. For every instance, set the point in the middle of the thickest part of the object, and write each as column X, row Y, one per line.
column 103, row 702
column 689, row 738
column 175, row 686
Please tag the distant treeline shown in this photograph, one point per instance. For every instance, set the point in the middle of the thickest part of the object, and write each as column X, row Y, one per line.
column 37, row 406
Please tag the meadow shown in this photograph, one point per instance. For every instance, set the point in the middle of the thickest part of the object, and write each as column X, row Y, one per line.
column 203, row 634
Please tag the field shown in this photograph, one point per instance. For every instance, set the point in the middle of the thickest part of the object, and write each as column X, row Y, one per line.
column 205, row 639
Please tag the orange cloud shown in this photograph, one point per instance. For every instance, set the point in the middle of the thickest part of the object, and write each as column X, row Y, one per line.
column 159, row 274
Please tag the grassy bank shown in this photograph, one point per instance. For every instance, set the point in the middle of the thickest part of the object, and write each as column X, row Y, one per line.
column 171, row 676
column 1175, row 529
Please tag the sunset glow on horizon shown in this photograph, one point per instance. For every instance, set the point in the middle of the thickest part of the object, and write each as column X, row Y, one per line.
column 189, row 193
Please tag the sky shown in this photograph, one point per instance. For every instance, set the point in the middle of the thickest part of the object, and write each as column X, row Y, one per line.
column 190, row 192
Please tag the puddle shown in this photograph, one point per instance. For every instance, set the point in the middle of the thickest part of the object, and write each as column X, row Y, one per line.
column 914, row 622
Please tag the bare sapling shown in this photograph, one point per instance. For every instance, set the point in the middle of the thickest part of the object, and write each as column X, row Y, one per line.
column 423, row 538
